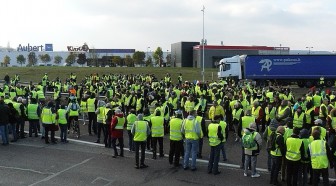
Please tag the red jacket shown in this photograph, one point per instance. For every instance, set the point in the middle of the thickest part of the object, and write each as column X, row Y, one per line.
column 116, row 133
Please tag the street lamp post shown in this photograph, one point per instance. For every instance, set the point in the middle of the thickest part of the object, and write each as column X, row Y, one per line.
column 280, row 49
column 147, row 53
column 203, row 46
column 309, row 49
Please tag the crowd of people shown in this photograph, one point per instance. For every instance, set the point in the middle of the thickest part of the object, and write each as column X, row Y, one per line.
column 299, row 133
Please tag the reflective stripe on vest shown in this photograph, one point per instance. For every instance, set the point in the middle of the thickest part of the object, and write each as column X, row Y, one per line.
column 319, row 159
column 190, row 129
column 308, row 115
column 298, row 120
column 47, row 116
column 32, row 111
column 277, row 151
column 293, row 149
column 157, row 126
column 175, row 133
column 62, row 120
column 91, row 104
column 120, row 124
column 213, row 134
column 140, row 133
column 131, row 118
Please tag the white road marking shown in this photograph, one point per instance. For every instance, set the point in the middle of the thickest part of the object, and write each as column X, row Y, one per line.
column 29, row 170
column 60, row 172
column 104, row 179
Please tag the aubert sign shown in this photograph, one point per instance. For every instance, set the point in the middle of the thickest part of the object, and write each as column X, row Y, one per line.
column 30, row 48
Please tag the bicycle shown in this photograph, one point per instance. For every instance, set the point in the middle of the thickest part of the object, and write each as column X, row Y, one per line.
column 74, row 125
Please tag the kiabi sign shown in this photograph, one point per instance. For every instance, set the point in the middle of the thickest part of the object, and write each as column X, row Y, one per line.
column 84, row 48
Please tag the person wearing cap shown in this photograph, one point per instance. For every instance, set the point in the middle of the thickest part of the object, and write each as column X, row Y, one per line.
column 140, row 131
column 100, row 112
column 117, row 128
column 277, row 154
column 318, row 126
column 294, row 154
column 176, row 139
column 320, row 155
column 215, row 133
column 130, row 119
column 251, row 154
column 157, row 131
column 191, row 130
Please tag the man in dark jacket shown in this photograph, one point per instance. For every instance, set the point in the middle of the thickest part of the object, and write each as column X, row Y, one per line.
column 277, row 151
column 4, row 120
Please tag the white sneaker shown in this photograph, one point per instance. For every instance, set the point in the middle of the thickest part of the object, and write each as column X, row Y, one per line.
column 245, row 174
column 256, row 175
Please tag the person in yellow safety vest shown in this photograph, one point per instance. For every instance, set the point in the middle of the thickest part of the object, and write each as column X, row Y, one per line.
column 48, row 117
column 92, row 106
column 174, row 102
column 321, row 156
column 283, row 112
column 130, row 119
column 157, row 131
column 225, row 132
column 107, row 125
column 277, row 151
column 237, row 114
column 57, row 97
column 191, row 130
column 252, row 153
column 140, row 131
column 270, row 95
column 317, row 99
column 305, row 161
column 318, row 126
column 258, row 114
column 216, row 137
column 270, row 112
column 294, row 153
column 140, row 103
column 323, row 111
column 33, row 114
column 204, row 132
column 100, row 112
column 117, row 128
column 299, row 118
column 176, row 139
column 73, row 111
column 310, row 114
column 19, row 106
column 189, row 105
column 216, row 109
column 270, row 132
column 61, row 116
column 40, row 95
column 84, row 109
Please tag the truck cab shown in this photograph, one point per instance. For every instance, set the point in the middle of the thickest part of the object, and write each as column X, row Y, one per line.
column 231, row 67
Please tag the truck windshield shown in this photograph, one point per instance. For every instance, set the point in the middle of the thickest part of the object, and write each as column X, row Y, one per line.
column 225, row 67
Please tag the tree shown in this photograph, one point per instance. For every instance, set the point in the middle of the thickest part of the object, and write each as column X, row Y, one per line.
column 7, row 60
column 32, row 60
column 168, row 60
column 149, row 61
column 116, row 60
column 129, row 61
column 139, row 57
column 58, row 59
column 71, row 59
column 21, row 59
column 81, row 59
column 158, row 56
column 45, row 58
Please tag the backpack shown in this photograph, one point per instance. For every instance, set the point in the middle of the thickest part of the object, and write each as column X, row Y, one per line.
column 270, row 146
column 248, row 140
column 74, row 106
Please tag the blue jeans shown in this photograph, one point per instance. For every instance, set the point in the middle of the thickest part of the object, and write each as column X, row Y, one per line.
column 191, row 147
column 214, row 158
column 4, row 133
column 253, row 160
column 63, row 134
column 13, row 129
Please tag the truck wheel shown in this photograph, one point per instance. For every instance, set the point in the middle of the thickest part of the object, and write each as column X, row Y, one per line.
column 329, row 83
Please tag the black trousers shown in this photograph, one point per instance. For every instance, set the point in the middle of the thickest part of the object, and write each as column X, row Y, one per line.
column 99, row 129
column 138, row 145
column 154, row 141
column 107, row 136
column 47, row 128
column 276, row 166
column 292, row 172
column 92, row 122
column 175, row 151
column 121, row 145
column 316, row 176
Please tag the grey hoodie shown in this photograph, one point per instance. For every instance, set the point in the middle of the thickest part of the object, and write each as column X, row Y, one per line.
column 197, row 126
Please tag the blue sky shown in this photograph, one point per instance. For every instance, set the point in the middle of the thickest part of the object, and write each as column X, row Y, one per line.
column 159, row 23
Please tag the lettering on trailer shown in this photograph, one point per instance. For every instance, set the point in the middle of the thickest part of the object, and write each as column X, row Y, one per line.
column 267, row 63
column 84, row 48
column 29, row 48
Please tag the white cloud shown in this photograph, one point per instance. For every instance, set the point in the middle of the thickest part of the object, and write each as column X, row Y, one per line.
column 139, row 24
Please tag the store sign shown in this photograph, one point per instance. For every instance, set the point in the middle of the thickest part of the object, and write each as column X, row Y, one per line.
column 84, row 48
column 30, row 48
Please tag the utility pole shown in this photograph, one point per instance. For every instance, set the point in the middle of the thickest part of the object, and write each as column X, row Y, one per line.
column 203, row 41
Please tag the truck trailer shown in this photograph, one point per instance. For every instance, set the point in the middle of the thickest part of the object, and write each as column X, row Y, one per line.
column 305, row 70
